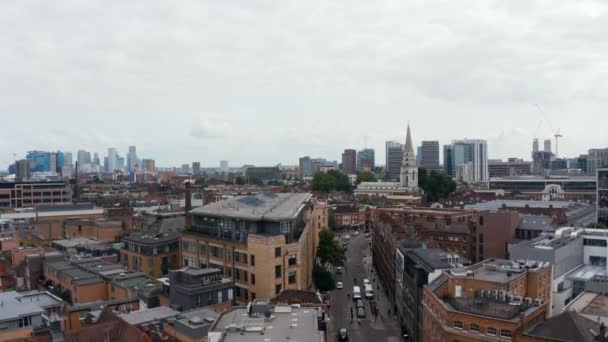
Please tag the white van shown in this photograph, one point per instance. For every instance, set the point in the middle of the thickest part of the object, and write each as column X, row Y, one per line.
column 366, row 282
column 369, row 292
column 356, row 292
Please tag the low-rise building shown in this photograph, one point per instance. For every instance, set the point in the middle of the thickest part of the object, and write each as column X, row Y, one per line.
column 194, row 288
column 493, row 299
column 192, row 325
column 246, row 324
column 19, row 319
column 548, row 188
column 151, row 253
column 30, row 194
column 415, row 268
column 98, row 229
column 264, row 243
column 579, row 258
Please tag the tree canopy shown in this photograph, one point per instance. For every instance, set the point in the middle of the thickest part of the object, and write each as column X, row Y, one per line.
column 331, row 181
column 324, row 280
column 330, row 250
column 366, row 177
column 436, row 184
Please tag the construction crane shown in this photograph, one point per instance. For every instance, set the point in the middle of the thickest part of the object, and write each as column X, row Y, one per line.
column 556, row 134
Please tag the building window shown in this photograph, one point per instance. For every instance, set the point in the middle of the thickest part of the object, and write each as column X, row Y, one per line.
column 189, row 262
column 277, row 289
column 277, row 271
column 474, row 328
column 25, row 322
column 252, row 257
column 237, row 274
column 505, row 333
column 277, row 252
column 292, row 260
column 252, row 279
column 597, row 261
column 595, row 242
column 458, row 325
column 292, row 277
column 481, row 220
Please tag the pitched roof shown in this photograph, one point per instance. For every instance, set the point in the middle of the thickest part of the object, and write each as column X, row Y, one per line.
column 109, row 328
column 567, row 326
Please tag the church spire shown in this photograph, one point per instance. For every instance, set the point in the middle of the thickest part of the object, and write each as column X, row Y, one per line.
column 409, row 147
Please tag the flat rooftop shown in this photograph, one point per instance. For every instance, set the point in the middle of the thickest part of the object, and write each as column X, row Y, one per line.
column 152, row 238
column 529, row 178
column 496, row 270
column 499, row 204
column 75, row 242
column 285, row 324
column 264, row 206
column 158, row 314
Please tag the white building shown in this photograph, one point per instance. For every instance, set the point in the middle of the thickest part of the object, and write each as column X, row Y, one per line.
column 408, row 176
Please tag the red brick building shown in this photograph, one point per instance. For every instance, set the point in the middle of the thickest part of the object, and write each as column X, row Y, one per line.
column 487, row 301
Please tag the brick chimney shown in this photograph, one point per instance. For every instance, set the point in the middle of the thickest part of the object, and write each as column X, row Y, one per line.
column 188, row 208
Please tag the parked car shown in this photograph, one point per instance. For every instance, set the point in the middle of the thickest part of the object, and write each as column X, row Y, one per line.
column 339, row 285
column 360, row 304
column 343, row 334
column 360, row 312
column 338, row 270
column 366, row 282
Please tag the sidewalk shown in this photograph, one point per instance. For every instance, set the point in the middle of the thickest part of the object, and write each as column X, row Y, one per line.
column 381, row 302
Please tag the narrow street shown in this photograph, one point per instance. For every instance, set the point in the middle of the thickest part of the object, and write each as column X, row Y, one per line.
column 371, row 328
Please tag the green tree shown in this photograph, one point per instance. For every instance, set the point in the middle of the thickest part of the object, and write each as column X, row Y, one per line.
column 239, row 181
column 436, row 185
column 366, row 177
column 330, row 250
column 324, row 280
column 255, row 181
column 331, row 181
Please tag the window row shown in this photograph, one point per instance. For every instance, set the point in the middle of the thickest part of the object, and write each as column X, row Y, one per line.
column 491, row 331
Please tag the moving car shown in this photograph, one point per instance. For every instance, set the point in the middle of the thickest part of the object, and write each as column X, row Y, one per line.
column 339, row 285
column 360, row 312
column 366, row 282
column 360, row 304
column 369, row 292
column 356, row 292
column 346, row 237
column 343, row 334
column 338, row 270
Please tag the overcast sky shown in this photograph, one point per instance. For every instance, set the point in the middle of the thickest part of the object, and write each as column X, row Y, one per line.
column 267, row 81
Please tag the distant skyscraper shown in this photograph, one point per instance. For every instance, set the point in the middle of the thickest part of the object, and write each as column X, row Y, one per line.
column 185, row 169
column 394, row 155
column 67, row 159
column 548, row 145
column 41, row 161
column 148, row 165
column 84, row 157
column 131, row 158
column 96, row 160
column 305, row 167
column 349, row 162
column 196, row 168
column 22, row 169
column 224, row 166
column 597, row 159
column 112, row 160
column 534, row 145
column 366, row 159
column 120, row 163
column 474, row 151
column 448, row 160
column 429, row 158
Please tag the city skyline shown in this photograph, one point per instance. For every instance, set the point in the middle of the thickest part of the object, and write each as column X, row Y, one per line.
column 285, row 80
